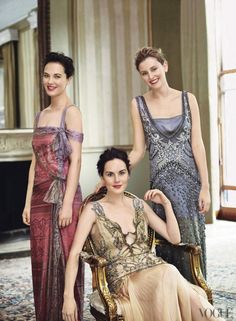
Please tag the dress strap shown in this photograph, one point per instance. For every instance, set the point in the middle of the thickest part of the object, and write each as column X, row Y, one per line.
column 140, row 102
column 138, row 204
column 63, row 116
column 143, row 109
column 98, row 209
column 185, row 102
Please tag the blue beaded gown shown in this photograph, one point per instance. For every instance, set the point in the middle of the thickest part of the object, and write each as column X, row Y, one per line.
column 173, row 170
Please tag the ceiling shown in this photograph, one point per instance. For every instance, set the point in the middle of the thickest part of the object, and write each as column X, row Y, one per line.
column 13, row 11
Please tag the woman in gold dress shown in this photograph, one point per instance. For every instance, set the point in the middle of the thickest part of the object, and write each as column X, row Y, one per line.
column 145, row 287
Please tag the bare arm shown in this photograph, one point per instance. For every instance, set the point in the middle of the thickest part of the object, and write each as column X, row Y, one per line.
column 26, row 211
column 73, row 122
column 139, row 146
column 169, row 229
column 199, row 155
column 86, row 221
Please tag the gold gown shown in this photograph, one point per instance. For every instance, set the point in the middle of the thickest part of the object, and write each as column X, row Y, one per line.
column 145, row 287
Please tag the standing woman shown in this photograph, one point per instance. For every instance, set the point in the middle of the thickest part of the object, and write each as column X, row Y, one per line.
column 53, row 194
column 166, row 121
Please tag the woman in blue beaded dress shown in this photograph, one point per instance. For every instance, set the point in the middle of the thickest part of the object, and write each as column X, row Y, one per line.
column 166, row 121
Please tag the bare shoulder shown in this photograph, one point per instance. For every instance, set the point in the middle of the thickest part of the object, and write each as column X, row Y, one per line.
column 73, row 111
column 175, row 92
column 131, row 198
column 89, row 210
column 134, row 107
column 74, row 119
column 147, row 210
column 134, row 102
column 45, row 110
column 192, row 100
column 174, row 96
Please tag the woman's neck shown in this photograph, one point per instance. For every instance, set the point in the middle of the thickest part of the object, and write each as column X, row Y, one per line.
column 116, row 199
column 59, row 102
column 160, row 92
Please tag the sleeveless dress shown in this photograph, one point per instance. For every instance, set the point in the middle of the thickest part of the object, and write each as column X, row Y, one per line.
column 50, row 245
column 173, row 170
column 144, row 286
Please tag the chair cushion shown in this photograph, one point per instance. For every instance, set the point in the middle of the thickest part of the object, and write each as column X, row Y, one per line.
column 96, row 303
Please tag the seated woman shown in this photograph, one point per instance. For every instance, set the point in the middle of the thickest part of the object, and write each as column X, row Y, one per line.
column 145, row 287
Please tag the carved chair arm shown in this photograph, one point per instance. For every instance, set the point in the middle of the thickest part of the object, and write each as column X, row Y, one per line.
column 93, row 260
column 104, row 292
column 98, row 267
column 187, row 247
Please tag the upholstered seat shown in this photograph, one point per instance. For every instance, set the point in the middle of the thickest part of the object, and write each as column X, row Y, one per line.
column 103, row 306
column 96, row 303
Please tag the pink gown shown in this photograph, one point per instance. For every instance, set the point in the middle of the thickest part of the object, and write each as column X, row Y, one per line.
column 50, row 245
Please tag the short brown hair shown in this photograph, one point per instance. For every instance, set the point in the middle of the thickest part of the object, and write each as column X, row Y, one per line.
column 110, row 154
column 62, row 59
column 146, row 52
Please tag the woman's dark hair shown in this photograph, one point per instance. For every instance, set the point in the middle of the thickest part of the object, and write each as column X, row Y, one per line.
column 147, row 52
column 110, row 154
column 65, row 61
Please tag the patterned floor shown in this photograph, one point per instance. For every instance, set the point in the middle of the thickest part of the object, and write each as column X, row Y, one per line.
column 16, row 297
column 16, row 301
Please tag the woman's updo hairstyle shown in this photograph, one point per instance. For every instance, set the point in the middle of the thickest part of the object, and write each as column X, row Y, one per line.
column 110, row 154
column 60, row 58
column 147, row 52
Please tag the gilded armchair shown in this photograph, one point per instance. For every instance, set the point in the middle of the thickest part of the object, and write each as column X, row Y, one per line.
column 103, row 306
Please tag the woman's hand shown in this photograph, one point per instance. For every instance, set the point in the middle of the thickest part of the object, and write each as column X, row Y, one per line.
column 69, row 310
column 65, row 215
column 156, row 196
column 204, row 200
column 26, row 215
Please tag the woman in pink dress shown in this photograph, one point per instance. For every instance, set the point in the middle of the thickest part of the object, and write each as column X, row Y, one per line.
column 53, row 194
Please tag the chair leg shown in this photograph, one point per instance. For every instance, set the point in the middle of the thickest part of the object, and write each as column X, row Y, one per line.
column 197, row 274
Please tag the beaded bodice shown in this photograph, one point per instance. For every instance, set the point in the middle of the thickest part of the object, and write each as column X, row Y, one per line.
column 168, row 150
column 125, row 253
